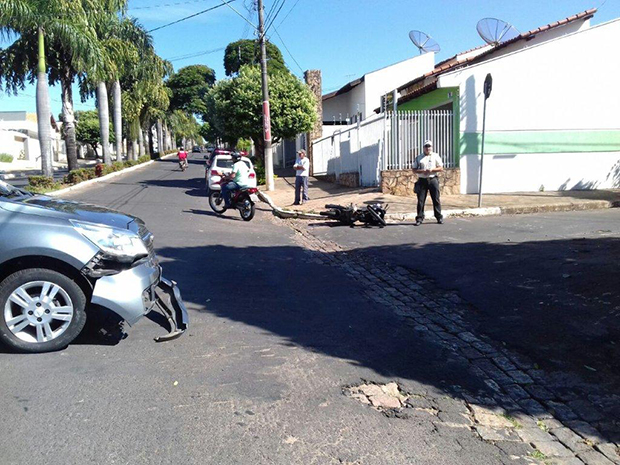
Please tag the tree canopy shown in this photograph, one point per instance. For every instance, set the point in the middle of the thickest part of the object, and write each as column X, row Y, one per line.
column 189, row 87
column 247, row 52
column 235, row 107
column 87, row 128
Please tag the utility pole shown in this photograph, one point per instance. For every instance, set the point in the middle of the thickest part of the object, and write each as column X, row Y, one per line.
column 266, row 113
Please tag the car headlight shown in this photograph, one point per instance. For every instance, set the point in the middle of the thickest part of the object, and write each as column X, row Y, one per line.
column 122, row 244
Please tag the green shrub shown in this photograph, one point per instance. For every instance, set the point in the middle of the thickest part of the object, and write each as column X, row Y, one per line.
column 106, row 169
column 117, row 166
column 42, row 184
column 41, row 181
column 130, row 163
column 6, row 158
column 80, row 175
column 144, row 159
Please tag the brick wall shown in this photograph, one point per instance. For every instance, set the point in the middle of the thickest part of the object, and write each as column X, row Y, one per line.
column 400, row 182
column 345, row 179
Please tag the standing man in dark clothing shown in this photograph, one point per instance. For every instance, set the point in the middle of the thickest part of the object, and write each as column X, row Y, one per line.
column 427, row 165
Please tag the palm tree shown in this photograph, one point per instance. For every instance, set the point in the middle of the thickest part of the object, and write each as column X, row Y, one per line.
column 145, row 98
column 105, row 15
column 137, row 43
column 60, row 20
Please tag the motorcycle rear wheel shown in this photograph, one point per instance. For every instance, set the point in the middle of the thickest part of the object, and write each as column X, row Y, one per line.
column 216, row 202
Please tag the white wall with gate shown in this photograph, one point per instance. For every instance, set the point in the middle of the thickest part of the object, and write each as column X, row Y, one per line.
column 384, row 142
column 354, row 148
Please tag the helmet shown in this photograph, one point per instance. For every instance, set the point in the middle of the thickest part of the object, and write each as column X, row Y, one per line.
column 236, row 156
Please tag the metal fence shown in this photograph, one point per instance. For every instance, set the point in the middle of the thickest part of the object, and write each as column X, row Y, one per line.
column 406, row 131
column 389, row 141
column 354, row 148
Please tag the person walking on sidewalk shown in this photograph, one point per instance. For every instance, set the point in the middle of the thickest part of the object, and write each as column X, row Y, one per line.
column 427, row 165
column 302, row 168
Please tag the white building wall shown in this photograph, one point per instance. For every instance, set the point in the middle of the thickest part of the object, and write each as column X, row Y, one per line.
column 337, row 108
column 12, row 143
column 566, row 85
column 544, row 36
column 366, row 96
column 385, row 80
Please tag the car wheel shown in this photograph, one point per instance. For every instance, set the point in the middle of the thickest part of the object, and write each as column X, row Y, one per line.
column 42, row 310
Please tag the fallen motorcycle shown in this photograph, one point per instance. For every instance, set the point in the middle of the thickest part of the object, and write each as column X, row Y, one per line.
column 242, row 200
column 371, row 215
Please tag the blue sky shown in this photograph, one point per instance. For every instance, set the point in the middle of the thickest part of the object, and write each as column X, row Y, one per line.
column 343, row 38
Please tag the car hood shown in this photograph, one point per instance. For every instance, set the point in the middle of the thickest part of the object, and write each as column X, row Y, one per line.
column 65, row 209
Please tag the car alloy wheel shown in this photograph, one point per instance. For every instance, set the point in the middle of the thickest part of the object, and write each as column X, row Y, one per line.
column 38, row 311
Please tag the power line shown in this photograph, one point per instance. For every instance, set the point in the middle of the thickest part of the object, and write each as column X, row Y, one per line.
column 165, row 4
column 249, row 17
column 269, row 13
column 240, row 15
column 224, row 3
column 289, row 12
column 275, row 16
column 289, row 52
column 197, row 54
column 24, row 94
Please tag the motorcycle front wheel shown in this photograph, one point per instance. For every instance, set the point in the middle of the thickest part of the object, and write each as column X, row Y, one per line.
column 379, row 219
column 216, row 202
column 247, row 210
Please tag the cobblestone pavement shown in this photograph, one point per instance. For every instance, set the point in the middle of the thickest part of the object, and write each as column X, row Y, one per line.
column 524, row 412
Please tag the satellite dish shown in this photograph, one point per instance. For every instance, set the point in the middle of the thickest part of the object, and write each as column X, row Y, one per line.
column 495, row 31
column 424, row 42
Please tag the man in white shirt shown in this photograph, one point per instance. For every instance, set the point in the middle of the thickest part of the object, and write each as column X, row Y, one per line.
column 302, row 168
column 427, row 165
column 239, row 178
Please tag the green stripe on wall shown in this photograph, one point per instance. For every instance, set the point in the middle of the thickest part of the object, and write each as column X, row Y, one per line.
column 515, row 142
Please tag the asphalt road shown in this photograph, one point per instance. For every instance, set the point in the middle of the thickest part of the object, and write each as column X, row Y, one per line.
column 546, row 285
column 257, row 379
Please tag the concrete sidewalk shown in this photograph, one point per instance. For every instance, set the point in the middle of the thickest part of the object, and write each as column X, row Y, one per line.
column 404, row 208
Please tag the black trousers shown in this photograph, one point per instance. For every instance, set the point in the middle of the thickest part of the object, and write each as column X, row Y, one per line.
column 432, row 185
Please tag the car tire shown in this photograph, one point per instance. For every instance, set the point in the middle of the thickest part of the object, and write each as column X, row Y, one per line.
column 33, row 322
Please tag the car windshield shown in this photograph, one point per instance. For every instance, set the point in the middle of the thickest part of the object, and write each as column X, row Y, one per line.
column 6, row 190
column 227, row 163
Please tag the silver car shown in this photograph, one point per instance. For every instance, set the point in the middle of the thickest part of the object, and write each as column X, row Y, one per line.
column 60, row 261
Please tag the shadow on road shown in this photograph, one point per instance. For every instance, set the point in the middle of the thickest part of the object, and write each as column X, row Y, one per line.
column 328, row 313
column 211, row 213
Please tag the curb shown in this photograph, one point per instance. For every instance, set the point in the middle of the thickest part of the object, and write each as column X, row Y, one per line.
column 284, row 213
column 104, row 178
column 523, row 210
column 456, row 213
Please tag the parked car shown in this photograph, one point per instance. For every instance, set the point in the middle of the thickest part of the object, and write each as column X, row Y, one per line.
column 222, row 164
column 195, row 149
column 216, row 151
column 61, row 261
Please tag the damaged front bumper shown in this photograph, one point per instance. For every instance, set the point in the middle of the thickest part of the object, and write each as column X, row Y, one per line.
column 136, row 291
column 171, row 305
